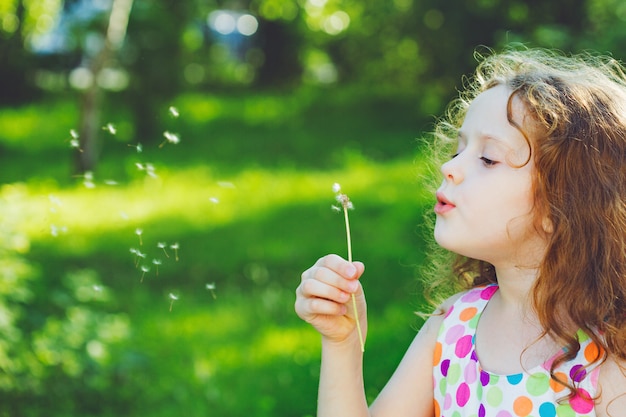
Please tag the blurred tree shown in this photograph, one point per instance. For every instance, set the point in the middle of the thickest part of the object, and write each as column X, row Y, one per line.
column 89, row 125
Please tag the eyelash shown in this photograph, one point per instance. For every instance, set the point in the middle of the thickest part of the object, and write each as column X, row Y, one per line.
column 486, row 161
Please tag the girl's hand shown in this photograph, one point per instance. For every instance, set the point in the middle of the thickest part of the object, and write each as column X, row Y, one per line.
column 324, row 298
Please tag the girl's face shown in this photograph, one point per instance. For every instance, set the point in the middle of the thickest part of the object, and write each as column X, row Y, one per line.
column 484, row 206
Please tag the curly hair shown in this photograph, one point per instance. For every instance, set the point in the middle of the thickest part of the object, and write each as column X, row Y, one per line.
column 576, row 130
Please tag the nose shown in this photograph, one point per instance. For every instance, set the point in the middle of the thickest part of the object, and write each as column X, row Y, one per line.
column 452, row 171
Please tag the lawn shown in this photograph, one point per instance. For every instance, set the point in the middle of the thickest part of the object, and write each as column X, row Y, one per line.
column 170, row 292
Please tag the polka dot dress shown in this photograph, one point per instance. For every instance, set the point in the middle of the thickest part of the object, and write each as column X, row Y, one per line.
column 463, row 389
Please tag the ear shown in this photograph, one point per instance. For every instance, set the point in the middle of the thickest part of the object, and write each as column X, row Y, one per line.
column 547, row 226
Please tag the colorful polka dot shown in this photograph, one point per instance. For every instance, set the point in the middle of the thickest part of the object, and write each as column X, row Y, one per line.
column 522, row 406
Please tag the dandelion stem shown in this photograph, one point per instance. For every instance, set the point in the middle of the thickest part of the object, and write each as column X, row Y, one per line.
column 356, row 312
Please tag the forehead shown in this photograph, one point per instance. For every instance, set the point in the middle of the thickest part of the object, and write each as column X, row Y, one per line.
column 495, row 115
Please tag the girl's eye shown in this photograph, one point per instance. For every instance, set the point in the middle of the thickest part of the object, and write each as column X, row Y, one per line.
column 488, row 162
column 455, row 155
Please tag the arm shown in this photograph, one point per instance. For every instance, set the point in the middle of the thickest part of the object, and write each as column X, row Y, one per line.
column 323, row 299
column 409, row 392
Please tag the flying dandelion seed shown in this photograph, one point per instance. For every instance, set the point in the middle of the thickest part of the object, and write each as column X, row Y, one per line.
column 56, row 230
column 139, row 232
column 97, row 288
column 138, row 147
column 211, row 288
column 226, row 184
column 175, row 247
column 109, row 127
column 173, row 111
column 151, row 171
column 214, row 200
column 163, row 245
column 346, row 205
column 88, row 180
column 173, row 297
column 74, row 142
column 144, row 271
column 170, row 137
column 110, row 182
column 124, row 215
column 156, row 263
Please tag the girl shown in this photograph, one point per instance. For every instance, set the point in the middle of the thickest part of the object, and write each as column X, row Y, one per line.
column 533, row 205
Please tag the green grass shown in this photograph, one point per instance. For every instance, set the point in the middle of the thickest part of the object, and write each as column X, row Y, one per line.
column 247, row 196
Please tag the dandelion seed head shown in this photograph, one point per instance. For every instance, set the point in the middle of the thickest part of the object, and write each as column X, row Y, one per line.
column 173, row 111
column 336, row 187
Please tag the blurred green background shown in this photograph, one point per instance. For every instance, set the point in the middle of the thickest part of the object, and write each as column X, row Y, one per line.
column 165, row 176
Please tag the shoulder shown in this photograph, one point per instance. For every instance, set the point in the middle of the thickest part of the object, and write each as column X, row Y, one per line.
column 611, row 388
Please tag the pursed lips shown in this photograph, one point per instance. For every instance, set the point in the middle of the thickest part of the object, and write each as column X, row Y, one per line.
column 443, row 205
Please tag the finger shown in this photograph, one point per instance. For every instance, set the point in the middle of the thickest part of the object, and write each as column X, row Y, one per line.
column 339, row 265
column 309, row 308
column 314, row 288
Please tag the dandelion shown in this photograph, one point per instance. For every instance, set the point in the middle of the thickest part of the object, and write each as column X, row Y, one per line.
column 173, row 297
column 173, row 111
column 211, row 287
column 156, row 263
column 139, row 232
column 110, row 182
column 214, row 200
column 346, row 205
column 144, row 271
column 170, row 137
column 175, row 247
column 163, row 245
column 109, row 127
